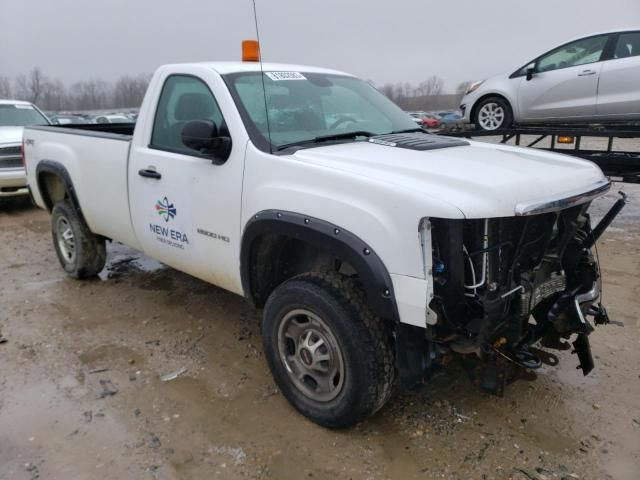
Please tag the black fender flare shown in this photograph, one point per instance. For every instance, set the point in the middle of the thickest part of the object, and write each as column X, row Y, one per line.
column 324, row 235
column 56, row 168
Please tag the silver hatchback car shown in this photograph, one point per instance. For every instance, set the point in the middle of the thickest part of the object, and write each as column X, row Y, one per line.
column 594, row 79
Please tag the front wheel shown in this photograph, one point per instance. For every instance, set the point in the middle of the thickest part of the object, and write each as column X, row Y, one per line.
column 493, row 113
column 81, row 253
column 330, row 356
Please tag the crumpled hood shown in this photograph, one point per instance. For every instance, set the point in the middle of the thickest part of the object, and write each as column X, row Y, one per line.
column 11, row 135
column 480, row 179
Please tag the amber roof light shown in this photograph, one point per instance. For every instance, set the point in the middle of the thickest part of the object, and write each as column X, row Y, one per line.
column 250, row 51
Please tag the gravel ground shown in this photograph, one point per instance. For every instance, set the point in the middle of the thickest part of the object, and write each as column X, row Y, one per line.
column 81, row 394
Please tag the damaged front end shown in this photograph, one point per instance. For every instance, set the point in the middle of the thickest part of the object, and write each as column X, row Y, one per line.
column 506, row 289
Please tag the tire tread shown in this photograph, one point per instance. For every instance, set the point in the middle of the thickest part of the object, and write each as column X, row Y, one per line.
column 372, row 335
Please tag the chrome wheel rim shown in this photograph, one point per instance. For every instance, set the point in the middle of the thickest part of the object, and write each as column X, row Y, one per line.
column 491, row 116
column 311, row 355
column 66, row 239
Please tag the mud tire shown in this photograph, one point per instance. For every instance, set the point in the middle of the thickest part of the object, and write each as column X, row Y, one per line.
column 89, row 250
column 363, row 338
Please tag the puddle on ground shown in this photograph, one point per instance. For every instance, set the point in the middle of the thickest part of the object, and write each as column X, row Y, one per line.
column 42, row 430
column 122, row 260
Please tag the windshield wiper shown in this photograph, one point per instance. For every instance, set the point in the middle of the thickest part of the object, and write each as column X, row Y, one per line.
column 329, row 138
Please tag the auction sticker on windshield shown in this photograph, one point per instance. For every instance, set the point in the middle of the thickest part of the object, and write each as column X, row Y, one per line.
column 277, row 76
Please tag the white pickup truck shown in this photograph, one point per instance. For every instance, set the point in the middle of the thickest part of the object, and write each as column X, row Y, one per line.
column 14, row 115
column 375, row 249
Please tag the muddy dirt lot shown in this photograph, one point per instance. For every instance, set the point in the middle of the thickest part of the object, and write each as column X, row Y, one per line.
column 81, row 395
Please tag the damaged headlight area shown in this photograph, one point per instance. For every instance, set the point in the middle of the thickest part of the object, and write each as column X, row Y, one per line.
column 506, row 289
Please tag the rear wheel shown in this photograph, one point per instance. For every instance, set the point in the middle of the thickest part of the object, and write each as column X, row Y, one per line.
column 81, row 253
column 330, row 356
column 493, row 113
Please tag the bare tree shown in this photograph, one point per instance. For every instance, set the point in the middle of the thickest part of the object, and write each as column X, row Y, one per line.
column 90, row 94
column 5, row 87
column 129, row 91
column 53, row 95
column 20, row 88
column 387, row 90
column 36, row 84
column 462, row 87
column 30, row 87
column 431, row 86
column 407, row 90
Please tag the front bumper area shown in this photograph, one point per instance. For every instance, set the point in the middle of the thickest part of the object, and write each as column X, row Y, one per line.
column 466, row 106
column 511, row 270
column 13, row 182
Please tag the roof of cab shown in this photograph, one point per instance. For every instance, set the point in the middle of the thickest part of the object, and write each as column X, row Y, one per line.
column 14, row 102
column 224, row 68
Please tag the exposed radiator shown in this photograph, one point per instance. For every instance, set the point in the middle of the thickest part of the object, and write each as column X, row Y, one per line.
column 529, row 299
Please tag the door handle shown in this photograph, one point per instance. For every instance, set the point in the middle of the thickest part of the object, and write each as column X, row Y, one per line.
column 149, row 173
column 585, row 73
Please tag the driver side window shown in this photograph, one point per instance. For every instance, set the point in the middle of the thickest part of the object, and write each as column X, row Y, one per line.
column 184, row 98
column 580, row 52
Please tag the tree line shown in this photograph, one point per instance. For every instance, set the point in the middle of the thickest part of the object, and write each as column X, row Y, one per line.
column 417, row 96
column 52, row 94
column 128, row 91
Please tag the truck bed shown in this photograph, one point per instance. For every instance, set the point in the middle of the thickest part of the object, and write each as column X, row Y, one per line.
column 95, row 158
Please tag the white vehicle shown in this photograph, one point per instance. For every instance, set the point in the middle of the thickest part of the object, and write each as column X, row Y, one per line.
column 14, row 115
column 595, row 79
column 114, row 119
column 373, row 247
column 416, row 117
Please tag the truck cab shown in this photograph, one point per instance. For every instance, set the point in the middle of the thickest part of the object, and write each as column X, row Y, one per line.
column 374, row 248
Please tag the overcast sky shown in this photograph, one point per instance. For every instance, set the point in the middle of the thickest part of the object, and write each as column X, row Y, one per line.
column 380, row 40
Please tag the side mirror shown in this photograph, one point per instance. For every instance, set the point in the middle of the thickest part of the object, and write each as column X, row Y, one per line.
column 531, row 69
column 203, row 136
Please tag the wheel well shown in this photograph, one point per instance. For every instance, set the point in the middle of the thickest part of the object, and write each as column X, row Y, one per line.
column 278, row 245
column 54, row 183
column 52, row 188
column 472, row 116
column 276, row 258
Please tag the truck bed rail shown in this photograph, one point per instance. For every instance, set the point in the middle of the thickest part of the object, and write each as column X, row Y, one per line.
column 95, row 129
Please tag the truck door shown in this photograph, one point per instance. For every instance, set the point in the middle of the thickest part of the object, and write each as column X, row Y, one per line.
column 565, row 82
column 619, row 89
column 184, row 207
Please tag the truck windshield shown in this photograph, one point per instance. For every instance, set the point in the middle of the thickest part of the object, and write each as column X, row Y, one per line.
column 312, row 108
column 20, row 115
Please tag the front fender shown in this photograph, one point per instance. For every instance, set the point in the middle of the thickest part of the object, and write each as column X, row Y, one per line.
column 326, row 236
column 495, row 88
column 382, row 216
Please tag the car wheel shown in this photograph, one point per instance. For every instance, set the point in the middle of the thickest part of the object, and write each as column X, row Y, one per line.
column 81, row 253
column 493, row 113
column 331, row 357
